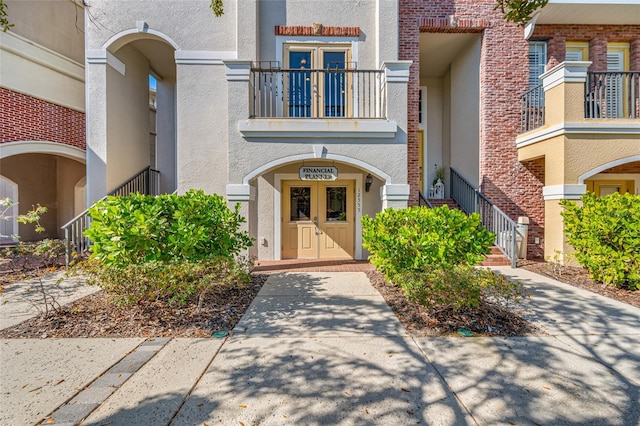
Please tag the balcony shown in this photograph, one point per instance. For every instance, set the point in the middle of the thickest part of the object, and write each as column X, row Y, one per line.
column 317, row 93
column 337, row 102
column 607, row 96
column 580, row 121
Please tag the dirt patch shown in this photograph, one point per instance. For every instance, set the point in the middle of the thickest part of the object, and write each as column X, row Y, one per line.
column 579, row 277
column 486, row 320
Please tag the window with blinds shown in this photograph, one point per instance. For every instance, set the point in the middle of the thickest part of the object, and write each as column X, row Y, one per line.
column 617, row 62
column 576, row 51
column 537, row 61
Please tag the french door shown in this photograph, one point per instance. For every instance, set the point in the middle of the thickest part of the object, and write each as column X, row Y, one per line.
column 318, row 219
column 318, row 83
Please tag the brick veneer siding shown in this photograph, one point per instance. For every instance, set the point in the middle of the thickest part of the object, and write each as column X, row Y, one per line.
column 316, row 30
column 514, row 187
column 25, row 118
column 633, row 167
column 596, row 35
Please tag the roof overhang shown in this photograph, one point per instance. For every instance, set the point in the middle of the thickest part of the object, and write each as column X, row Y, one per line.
column 589, row 12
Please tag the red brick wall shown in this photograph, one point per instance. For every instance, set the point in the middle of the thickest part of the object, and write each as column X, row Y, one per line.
column 597, row 35
column 514, row 187
column 25, row 118
column 633, row 167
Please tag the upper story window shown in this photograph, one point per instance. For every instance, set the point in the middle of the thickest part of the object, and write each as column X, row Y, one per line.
column 318, row 82
column 576, row 51
column 537, row 62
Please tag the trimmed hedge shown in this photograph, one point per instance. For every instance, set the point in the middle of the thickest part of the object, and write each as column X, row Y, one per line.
column 166, row 248
column 430, row 253
column 605, row 233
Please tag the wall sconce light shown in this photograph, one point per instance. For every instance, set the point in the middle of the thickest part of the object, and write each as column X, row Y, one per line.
column 367, row 182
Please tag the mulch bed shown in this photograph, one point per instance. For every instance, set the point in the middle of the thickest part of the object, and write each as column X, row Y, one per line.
column 95, row 316
column 579, row 277
column 487, row 320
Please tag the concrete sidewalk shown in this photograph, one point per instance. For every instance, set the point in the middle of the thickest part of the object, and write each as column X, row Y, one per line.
column 23, row 299
column 323, row 348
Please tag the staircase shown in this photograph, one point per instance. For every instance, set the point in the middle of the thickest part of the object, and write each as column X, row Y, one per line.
column 146, row 182
column 439, row 202
column 470, row 200
column 496, row 258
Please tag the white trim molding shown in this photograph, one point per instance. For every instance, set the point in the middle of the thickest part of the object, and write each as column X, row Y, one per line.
column 310, row 156
column 565, row 72
column 9, row 149
column 580, row 128
column 240, row 192
column 33, row 52
column 395, row 192
column 563, row 192
column 105, row 57
column 237, row 69
column 301, row 128
column 396, row 71
column 143, row 30
column 203, row 57
column 606, row 166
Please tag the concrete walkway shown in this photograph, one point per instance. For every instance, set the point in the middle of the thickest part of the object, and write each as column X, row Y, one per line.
column 323, row 348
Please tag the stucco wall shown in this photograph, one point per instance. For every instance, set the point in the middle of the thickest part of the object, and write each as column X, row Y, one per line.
column 338, row 13
column 433, row 135
column 68, row 173
column 202, row 111
column 33, row 189
column 465, row 112
column 56, row 25
column 189, row 23
column 128, row 109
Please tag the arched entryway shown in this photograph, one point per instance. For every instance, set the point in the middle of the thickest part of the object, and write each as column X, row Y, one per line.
column 45, row 173
column 310, row 206
column 133, row 115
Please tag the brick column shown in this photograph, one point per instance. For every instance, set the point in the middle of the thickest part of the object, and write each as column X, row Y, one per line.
column 634, row 55
column 598, row 53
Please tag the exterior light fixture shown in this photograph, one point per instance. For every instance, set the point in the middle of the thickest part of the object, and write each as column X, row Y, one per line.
column 367, row 182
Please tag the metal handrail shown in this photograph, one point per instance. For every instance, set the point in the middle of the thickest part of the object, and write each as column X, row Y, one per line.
column 317, row 93
column 147, row 182
column 423, row 201
column 471, row 200
column 532, row 109
column 612, row 95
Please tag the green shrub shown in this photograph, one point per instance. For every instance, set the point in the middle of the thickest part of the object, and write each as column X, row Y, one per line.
column 459, row 286
column 159, row 281
column 605, row 233
column 430, row 253
column 141, row 228
column 419, row 239
column 165, row 248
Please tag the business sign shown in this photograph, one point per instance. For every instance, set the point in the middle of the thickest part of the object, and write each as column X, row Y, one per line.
column 318, row 173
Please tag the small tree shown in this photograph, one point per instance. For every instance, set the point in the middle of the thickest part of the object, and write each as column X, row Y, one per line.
column 519, row 11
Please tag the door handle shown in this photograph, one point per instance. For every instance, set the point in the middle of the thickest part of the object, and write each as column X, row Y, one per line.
column 315, row 222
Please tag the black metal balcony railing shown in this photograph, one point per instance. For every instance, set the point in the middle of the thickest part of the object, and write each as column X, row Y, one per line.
column 145, row 182
column 612, row 95
column 317, row 93
column 532, row 109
